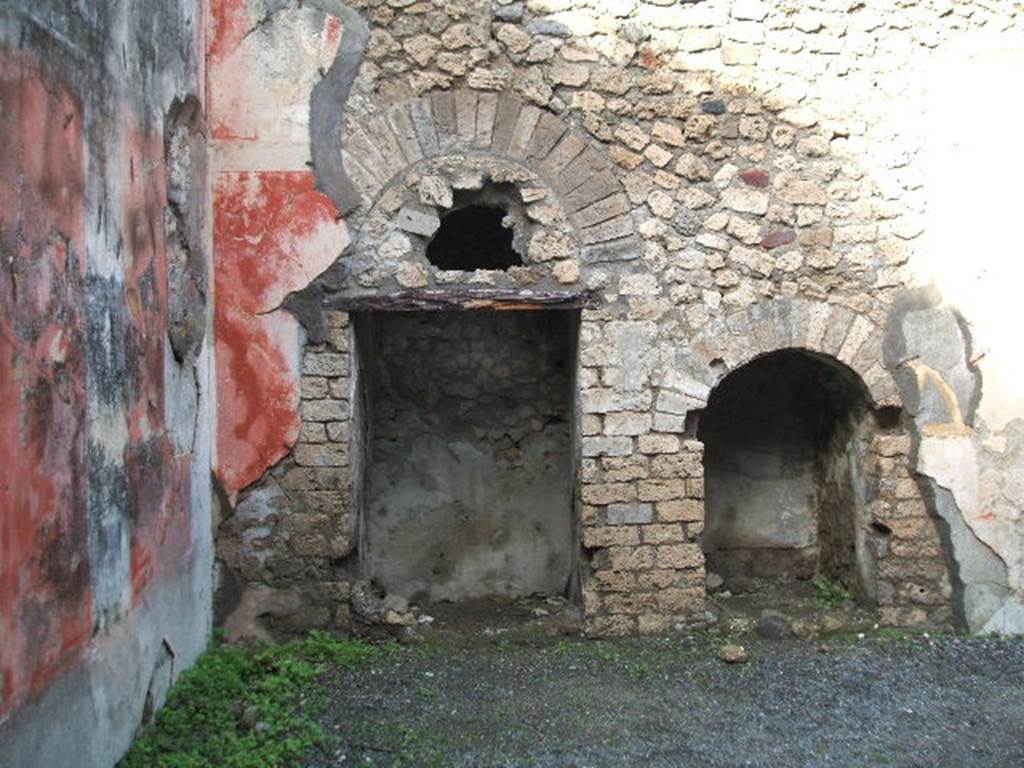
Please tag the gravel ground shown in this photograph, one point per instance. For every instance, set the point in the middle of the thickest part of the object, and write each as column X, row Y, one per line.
column 670, row 701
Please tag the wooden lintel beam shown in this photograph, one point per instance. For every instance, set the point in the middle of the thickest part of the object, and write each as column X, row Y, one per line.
column 456, row 301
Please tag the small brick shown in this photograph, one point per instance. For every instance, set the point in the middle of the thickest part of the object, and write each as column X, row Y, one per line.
column 679, row 511
column 661, row 490
column 486, row 110
column 564, row 152
column 680, row 556
column 522, row 133
column 611, row 536
column 663, row 533
column 649, row 444
column 608, row 493
column 548, row 131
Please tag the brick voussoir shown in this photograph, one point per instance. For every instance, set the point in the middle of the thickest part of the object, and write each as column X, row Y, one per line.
column 613, row 229
column 526, row 122
column 487, row 107
column 442, row 105
column 423, row 121
column 546, row 135
column 465, row 117
column 401, row 123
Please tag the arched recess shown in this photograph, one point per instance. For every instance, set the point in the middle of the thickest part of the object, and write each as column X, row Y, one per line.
column 899, row 562
column 785, row 491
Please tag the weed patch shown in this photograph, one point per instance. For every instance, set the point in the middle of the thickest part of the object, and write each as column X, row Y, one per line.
column 829, row 594
column 240, row 708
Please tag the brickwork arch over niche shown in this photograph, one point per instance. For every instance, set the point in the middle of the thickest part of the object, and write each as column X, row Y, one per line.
column 531, row 147
column 828, row 329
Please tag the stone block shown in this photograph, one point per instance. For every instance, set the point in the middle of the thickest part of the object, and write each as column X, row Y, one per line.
column 417, row 220
column 610, row 536
column 680, row 556
column 325, row 410
column 662, row 533
column 607, row 446
column 629, row 514
column 628, row 423
column 679, row 511
column 608, row 493
column 746, row 201
column 320, row 455
column 325, row 364
column 651, row 444
column 681, row 601
column 661, row 490
column 639, row 558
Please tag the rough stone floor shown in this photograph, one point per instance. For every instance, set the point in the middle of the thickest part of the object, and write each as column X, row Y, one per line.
column 518, row 700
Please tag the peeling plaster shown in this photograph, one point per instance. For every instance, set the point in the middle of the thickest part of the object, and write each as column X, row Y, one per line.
column 929, row 343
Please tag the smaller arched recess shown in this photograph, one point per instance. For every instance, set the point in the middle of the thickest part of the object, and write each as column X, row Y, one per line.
column 803, row 430
column 784, row 438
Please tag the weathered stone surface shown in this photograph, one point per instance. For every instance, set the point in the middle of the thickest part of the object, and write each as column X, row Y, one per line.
column 715, row 182
column 630, row 514
column 418, row 221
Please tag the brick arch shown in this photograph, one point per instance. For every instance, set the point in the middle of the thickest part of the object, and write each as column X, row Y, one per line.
column 380, row 148
column 854, row 340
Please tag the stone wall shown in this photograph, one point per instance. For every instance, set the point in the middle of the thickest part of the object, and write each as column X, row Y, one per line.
column 713, row 180
column 105, row 386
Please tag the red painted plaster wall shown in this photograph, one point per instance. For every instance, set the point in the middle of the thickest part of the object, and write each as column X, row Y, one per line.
column 261, row 222
column 45, row 597
column 273, row 234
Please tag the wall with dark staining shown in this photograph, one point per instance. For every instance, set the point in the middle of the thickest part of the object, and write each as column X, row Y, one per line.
column 105, row 502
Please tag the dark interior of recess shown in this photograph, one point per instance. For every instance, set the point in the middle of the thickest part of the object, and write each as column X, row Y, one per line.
column 472, row 238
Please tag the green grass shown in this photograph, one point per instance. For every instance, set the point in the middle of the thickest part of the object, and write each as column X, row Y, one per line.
column 240, row 708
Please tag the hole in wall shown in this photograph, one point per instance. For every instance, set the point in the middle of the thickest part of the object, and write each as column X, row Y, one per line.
column 888, row 416
column 881, row 529
column 473, row 237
